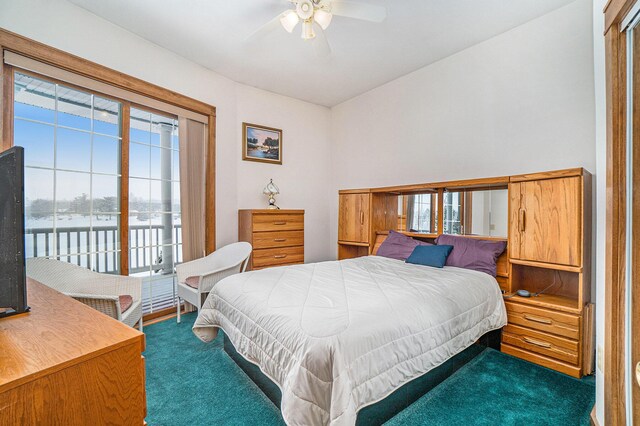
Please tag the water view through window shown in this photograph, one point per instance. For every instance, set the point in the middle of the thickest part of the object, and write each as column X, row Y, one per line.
column 72, row 173
column 73, row 159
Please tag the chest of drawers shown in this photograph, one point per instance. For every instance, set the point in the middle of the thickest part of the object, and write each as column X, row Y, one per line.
column 277, row 236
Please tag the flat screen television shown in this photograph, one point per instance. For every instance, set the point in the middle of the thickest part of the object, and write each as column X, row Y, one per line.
column 13, row 289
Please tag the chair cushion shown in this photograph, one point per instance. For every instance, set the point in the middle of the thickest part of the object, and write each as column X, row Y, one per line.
column 125, row 302
column 192, row 282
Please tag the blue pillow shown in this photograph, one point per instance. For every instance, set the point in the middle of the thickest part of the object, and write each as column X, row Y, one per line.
column 435, row 256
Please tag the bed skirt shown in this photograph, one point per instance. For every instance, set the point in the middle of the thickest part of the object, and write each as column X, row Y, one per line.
column 401, row 398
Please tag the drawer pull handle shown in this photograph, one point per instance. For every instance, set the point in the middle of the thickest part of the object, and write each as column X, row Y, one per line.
column 280, row 256
column 279, row 240
column 522, row 220
column 279, row 223
column 536, row 342
column 537, row 319
column 362, row 217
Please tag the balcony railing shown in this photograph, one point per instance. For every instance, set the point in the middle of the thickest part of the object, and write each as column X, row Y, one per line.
column 73, row 245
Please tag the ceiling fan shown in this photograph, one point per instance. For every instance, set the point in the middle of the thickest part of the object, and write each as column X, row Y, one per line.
column 316, row 15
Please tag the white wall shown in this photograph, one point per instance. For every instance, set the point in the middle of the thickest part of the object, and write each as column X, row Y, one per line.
column 499, row 213
column 489, row 209
column 601, row 196
column 238, row 184
column 520, row 102
column 480, row 211
column 303, row 179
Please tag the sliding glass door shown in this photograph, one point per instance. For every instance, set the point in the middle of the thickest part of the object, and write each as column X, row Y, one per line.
column 453, row 213
column 72, row 147
column 155, row 233
column 73, row 186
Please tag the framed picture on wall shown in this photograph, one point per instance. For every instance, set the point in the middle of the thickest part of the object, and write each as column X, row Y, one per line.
column 261, row 143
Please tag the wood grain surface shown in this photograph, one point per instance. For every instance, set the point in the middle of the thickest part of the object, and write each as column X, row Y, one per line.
column 65, row 363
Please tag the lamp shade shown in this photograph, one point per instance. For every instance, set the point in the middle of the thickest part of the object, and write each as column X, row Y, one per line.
column 289, row 20
column 271, row 188
column 307, row 30
column 323, row 18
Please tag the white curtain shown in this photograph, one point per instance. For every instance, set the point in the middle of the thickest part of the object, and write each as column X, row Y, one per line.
column 411, row 202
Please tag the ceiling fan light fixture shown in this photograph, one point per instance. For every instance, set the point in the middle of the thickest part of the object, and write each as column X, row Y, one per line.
column 289, row 20
column 304, row 9
column 307, row 30
column 323, row 18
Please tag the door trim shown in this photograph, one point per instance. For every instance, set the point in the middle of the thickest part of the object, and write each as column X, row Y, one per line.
column 615, row 262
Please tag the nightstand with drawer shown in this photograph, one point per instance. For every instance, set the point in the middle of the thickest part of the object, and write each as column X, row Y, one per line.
column 548, row 337
column 277, row 236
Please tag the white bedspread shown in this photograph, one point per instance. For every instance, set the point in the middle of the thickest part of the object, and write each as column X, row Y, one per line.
column 338, row 336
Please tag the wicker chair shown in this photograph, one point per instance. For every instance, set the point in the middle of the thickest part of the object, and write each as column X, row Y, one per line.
column 117, row 296
column 197, row 277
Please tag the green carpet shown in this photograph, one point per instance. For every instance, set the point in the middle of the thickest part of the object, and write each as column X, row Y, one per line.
column 193, row 383
column 498, row 389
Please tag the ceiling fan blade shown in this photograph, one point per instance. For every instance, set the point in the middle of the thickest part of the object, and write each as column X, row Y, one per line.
column 320, row 44
column 366, row 12
column 266, row 29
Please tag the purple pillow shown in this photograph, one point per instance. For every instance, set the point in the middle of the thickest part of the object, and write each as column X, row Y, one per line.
column 399, row 246
column 469, row 253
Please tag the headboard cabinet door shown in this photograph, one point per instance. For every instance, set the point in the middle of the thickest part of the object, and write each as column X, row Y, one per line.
column 354, row 218
column 546, row 220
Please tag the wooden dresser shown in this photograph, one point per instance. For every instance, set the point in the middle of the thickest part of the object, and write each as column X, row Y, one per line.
column 65, row 363
column 277, row 236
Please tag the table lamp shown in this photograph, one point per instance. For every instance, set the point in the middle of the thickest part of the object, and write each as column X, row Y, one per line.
column 270, row 191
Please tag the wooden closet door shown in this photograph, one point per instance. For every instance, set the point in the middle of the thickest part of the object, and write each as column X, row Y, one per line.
column 354, row 218
column 550, row 221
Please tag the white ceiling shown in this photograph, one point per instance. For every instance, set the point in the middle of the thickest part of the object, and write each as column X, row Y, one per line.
column 364, row 55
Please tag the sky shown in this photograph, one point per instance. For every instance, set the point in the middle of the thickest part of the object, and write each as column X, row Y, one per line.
column 78, row 151
column 261, row 135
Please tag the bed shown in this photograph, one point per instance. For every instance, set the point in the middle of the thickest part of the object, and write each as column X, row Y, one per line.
column 336, row 337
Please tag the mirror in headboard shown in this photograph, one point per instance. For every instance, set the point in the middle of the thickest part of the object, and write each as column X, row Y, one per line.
column 477, row 212
column 418, row 213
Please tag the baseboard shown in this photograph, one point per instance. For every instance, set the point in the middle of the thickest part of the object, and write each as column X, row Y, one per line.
column 594, row 418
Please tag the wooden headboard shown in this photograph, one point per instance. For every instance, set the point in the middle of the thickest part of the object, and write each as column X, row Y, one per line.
column 502, row 264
